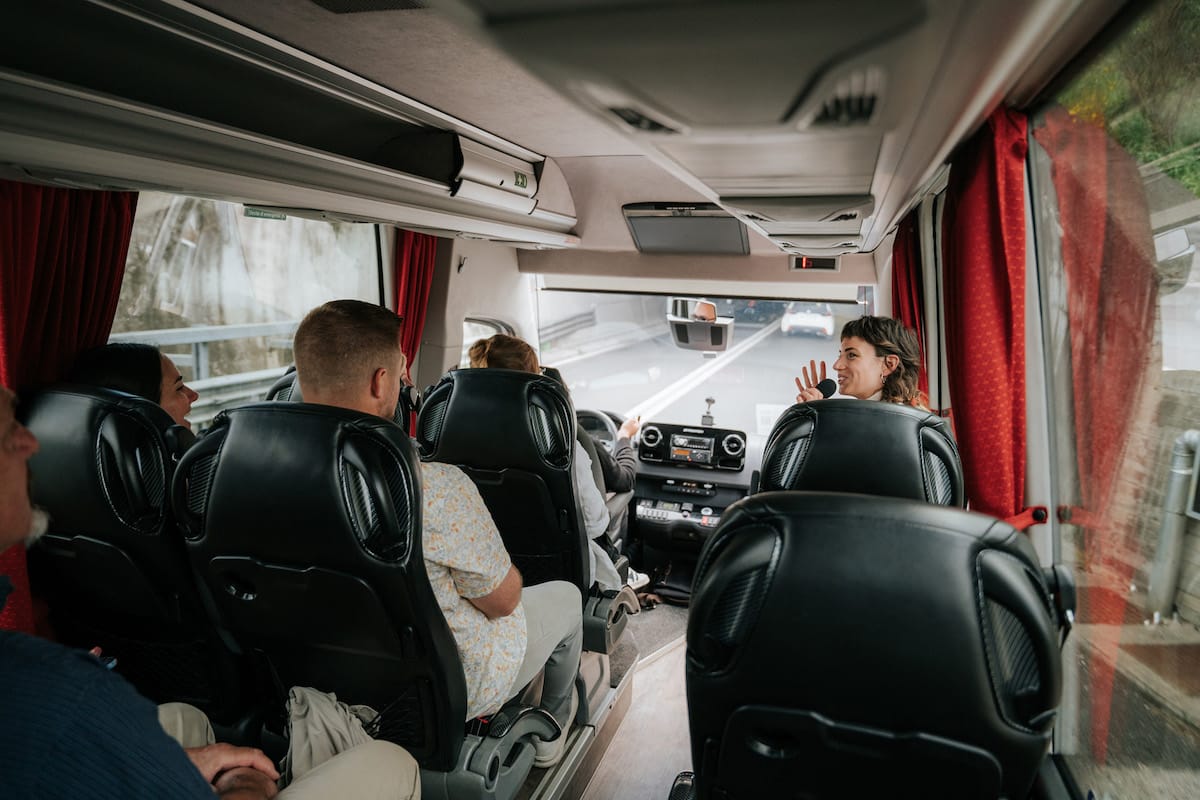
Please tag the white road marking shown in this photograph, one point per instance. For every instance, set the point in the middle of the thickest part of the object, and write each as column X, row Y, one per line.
column 652, row 405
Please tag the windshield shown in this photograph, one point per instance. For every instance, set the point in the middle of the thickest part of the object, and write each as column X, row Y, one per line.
column 616, row 354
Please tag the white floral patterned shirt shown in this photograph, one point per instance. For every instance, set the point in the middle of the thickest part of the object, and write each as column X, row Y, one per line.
column 465, row 557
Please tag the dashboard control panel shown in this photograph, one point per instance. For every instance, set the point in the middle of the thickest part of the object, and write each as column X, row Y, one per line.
column 707, row 448
column 677, row 511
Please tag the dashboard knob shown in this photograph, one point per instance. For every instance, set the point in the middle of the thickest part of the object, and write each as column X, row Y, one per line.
column 733, row 445
column 651, row 436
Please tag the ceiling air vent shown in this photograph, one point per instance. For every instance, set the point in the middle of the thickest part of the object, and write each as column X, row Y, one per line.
column 359, row 6
column 853, row 101
column 639, row 121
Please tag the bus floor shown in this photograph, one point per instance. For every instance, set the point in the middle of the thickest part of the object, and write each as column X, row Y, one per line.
column 653, row 745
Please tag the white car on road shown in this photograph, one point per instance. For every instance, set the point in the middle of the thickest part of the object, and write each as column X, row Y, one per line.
column 804, row 317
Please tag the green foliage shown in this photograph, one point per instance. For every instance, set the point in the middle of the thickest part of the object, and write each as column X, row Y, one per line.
column 1146, row 91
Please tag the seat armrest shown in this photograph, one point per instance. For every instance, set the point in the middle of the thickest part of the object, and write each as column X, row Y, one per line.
column 521, row 721
column 605, row 616
column 684, row 787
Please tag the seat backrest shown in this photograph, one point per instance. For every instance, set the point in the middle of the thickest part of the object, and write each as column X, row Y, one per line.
column 513, row 433
column 112, row 566
column 286, row 388
column 864, row 446
column 304, row 523
column 844, row 645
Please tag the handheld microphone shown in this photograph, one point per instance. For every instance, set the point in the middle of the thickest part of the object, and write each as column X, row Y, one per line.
column 827, row 387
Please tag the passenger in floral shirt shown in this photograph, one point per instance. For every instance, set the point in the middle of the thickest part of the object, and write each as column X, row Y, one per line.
column 348, row 355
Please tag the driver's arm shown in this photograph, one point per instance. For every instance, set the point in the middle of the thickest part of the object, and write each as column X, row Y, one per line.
column 619, row 466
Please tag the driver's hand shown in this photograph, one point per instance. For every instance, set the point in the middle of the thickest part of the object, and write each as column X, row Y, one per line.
column 629, row 428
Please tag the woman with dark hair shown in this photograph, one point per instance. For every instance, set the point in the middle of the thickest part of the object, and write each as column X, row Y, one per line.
column 879, row 360
column 139, row 369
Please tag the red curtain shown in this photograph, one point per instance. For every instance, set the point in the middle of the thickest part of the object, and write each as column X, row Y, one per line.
column 1112, row 302
column 908, row 288
column 984, row 247
column 62, row 257
column 416, row 254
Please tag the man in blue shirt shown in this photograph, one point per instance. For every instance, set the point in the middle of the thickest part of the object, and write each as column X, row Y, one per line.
column 71, row 728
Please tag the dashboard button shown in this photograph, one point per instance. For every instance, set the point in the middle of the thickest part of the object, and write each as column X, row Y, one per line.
column 706, row 511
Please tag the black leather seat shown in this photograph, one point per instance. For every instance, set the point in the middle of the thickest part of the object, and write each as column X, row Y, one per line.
column 843, row 645
column 287, row 388
column 513, row 433
column 113, row 568
column 864, row 446
column 304, row 522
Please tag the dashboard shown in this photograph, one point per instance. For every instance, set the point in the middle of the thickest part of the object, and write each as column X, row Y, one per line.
column 687, row 476
column 706, row 448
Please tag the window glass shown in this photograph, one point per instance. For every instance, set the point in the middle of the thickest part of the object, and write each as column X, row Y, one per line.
column 616, row 354
column 476, row 328
column 1116, row 182
column 242, row 281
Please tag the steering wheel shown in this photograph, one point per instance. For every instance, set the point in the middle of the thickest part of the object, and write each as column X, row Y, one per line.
column 599, row 425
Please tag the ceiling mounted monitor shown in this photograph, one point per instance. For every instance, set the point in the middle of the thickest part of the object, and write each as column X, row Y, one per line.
column 685, row 228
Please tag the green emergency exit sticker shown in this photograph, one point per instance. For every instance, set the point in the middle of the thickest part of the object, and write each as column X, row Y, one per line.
column 264, row 213
column 521, row 181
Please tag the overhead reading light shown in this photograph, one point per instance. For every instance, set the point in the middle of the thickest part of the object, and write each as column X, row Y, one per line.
column 703, row 228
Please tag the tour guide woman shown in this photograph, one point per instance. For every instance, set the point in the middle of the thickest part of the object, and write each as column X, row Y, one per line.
column 879, row 360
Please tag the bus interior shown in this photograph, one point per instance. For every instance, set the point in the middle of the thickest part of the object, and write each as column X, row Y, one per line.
column 680, row 204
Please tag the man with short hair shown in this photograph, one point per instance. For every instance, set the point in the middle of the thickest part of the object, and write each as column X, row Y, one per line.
column 70, row 728
column 348, row 355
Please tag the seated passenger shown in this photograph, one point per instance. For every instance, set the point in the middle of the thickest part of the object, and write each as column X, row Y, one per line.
column 509, row 352
column 71, row 728
column 348, row 355
column 139, row 369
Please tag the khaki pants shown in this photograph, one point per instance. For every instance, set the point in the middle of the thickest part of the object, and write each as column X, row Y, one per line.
column 372, row 770
column 554, row 627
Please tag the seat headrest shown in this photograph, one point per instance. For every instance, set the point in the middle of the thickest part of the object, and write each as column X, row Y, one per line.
column 268, row 470
column 105, row 458
column 864, row 446
column 287, row 388
column 496, row 419
column 873, row 638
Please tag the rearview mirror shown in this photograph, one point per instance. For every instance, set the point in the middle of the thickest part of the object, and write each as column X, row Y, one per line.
column 695, row 325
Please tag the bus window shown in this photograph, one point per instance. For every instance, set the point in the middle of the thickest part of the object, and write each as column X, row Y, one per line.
column 616, row 354
column 1116, row 193
column 221, row 287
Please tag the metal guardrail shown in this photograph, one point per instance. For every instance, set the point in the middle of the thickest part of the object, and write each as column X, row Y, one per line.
column 199, row 337
column 566, row 326
column 230, row 391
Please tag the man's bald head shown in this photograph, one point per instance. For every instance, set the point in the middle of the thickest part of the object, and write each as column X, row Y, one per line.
column 348, row 355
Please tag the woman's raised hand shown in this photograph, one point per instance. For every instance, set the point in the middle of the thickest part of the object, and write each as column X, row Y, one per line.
column 808, row 389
